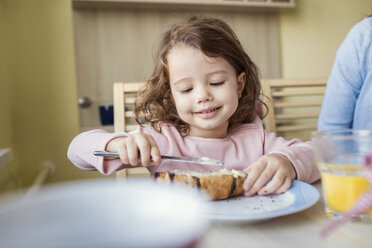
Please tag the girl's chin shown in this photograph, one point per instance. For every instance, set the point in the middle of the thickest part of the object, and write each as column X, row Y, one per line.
column 209, row 132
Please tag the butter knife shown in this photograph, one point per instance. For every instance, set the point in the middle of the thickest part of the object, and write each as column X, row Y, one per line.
column 201, row 160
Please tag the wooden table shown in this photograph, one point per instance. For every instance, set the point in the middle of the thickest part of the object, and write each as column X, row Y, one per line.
column 296, row 230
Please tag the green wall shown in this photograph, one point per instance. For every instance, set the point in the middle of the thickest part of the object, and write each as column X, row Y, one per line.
column 311, row 33
column 39, row 86
column 9, row 173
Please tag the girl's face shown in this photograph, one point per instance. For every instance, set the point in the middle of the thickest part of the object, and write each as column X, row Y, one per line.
column 205, row 90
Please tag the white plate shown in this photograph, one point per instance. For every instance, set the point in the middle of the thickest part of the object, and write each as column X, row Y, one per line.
column 257, row 208
column 103, row 213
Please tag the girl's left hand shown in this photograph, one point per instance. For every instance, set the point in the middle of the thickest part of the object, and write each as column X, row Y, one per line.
column 276, row 167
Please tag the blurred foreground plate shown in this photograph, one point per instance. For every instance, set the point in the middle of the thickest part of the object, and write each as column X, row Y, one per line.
column 104, row 213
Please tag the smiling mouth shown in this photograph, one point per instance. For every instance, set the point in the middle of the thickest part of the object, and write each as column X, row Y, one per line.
column 208, row 110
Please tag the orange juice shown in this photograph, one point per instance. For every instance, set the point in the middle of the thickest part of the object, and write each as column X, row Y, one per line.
column 342, row 185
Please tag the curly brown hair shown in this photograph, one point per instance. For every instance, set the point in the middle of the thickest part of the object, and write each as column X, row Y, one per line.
column 215, row 39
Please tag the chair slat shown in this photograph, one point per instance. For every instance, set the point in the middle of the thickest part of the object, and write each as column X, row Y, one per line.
column 280, row 83
column 294, row 100
column 133, row 87
column 296, row 116
column 130, row 100
column 297, row 104
column 297, row 93
column 286, row 128
column 131, row 128
column 129, row 114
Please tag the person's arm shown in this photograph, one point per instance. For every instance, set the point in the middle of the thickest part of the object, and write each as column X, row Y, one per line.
column 344, row 83
column 80, row 151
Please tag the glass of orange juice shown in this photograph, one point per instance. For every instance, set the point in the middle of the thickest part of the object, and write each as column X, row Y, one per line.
column 340, row 156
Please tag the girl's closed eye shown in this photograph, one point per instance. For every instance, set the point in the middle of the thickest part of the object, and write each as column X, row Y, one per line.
column 217, row 83
column 212, row 84
column 186, row 90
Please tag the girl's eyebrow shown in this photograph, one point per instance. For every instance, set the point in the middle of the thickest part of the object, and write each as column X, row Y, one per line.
column 180, row 80
column 208, row 75
column 216, row 72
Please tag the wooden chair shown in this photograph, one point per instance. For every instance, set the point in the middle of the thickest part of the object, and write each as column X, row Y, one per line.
column 124, row 98
column 293, row 106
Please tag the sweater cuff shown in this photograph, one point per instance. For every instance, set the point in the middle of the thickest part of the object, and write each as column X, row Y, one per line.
column 303, row 163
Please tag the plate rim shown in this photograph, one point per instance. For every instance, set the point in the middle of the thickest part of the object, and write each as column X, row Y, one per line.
column 297, row 206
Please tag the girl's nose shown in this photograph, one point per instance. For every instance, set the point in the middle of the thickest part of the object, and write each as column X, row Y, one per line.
column 203, row 95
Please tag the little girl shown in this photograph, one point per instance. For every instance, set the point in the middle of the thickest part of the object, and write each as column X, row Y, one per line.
column 202, row 101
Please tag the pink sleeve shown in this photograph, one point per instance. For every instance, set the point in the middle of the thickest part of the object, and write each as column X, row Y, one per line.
column 80, row 151
column 299, row 153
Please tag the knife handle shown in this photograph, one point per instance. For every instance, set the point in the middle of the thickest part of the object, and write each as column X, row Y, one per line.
column 107, row 154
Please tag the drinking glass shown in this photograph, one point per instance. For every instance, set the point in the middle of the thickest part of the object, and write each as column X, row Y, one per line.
column 340, row 156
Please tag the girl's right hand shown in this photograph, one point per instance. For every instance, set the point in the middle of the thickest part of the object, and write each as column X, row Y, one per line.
column 136, row 148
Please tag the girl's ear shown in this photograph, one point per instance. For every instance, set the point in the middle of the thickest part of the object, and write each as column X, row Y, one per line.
column 241, row 83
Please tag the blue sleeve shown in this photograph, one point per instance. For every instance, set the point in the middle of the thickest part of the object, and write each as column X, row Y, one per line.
column 344, row 82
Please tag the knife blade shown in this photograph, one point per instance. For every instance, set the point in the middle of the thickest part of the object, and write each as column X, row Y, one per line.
column 201, row 160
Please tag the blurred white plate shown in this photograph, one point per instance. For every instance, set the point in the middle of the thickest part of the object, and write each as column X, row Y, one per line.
column 103, row 213
column 258, row 208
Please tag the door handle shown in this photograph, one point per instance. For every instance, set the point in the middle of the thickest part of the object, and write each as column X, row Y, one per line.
column 84, row 102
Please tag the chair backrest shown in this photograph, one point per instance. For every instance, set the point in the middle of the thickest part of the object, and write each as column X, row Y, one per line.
column 125, row 94
column 293, row 106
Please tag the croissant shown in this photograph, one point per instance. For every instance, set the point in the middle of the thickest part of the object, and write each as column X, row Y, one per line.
column 217, row 185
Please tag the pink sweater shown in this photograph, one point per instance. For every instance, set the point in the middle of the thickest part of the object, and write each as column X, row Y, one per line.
column 244, row 144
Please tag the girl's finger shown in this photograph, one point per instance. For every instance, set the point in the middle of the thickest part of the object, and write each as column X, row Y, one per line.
column 254, row 172
column 248, row 169
column 265, row 176
column 144, row 149
column 122, row 150
column 284, row 187
column 276, row 182
column 132, row 151
column 155, row 153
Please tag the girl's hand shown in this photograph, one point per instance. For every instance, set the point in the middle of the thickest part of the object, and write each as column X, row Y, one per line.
column 276, row 167
column 135, row 148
